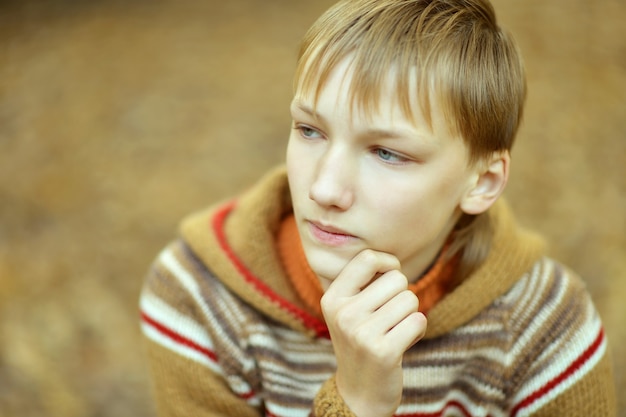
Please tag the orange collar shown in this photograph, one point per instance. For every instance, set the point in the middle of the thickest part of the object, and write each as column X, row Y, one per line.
column 430, row 288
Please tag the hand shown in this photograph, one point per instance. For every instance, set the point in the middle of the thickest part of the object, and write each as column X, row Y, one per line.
column 372, row 318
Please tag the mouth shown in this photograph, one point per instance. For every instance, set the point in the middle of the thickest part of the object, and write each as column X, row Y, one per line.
column 329, row 235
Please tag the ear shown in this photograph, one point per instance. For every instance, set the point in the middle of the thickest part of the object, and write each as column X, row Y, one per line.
column 487, row 185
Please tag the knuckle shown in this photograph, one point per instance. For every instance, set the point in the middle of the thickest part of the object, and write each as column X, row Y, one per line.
column 399, row 278
column 329, row 304
column 394, row 280
column 381, row 260
column 344, row 318
column 369, row 256
column 404, row 302
column 326, row 303
column 410, row 299
column 384, row 353
column 408, row 296
column 360, row 336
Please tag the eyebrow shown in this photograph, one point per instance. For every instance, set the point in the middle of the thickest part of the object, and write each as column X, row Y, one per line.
column 308, row 110
column 374, row 132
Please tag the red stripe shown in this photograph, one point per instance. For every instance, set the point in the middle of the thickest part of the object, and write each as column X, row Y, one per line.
column 577, row 364
column 245, row 395
column 176, row 337
column 308, row 320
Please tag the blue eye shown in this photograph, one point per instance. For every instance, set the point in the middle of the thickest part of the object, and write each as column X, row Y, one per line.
column 308, row 132
column 388, row 156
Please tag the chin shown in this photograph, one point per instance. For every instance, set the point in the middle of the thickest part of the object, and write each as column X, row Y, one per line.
column 326, row 266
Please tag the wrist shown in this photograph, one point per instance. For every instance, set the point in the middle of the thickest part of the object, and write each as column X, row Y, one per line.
column 362, row 404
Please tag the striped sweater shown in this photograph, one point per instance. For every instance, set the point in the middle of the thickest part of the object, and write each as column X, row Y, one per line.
column 226, row 334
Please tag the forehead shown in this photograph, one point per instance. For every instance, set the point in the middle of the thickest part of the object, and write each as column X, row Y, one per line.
column 396, row 97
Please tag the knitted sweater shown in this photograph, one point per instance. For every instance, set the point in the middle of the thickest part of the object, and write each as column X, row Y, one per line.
column 227, row 335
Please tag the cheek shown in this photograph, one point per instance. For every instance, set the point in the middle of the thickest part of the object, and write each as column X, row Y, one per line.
column 292, row 160
column 290, row 154
column 297, row 171
column 405, row 209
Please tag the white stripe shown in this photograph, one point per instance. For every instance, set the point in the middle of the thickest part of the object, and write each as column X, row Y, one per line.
column 538, row 323
column 438, row 406
column 178, row 348
column 533, row 283
column 238, row 385
column 301, row 387
column 568, row 357
column 580, row 341
column 174, row 320
column 288, row 352
column 493, row 353
column 566, row 384
column 431, row 376
column 290, row 411
column 189, row 283
column 480, row 327
column 182, row 325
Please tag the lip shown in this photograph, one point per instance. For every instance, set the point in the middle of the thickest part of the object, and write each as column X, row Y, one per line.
column 329, row 235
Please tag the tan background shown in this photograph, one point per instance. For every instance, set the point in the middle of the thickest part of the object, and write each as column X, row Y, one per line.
column 118, row 117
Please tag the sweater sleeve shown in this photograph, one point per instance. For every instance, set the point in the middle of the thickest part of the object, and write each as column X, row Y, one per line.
column 191, row 375
column 565, row 366
column 182, row 387
column 593, row 395
column 329, row 403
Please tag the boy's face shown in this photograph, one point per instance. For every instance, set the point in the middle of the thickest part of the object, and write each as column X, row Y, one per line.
column 382, row 182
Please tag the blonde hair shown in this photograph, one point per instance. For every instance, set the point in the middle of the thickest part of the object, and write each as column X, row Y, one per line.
column 453, row 48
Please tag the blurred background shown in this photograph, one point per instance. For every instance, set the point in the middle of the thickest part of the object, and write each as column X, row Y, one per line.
column 118, row 117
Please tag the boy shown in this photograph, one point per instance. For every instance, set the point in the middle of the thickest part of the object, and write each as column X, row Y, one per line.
column 378, row 274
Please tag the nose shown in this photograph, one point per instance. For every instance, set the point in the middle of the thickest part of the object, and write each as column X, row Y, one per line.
column 333, row 182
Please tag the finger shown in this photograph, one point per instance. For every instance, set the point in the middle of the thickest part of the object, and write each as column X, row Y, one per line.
column 382, row 289
column 360, row 271
column 408, row 331
column 349, row 312
column 394, row 311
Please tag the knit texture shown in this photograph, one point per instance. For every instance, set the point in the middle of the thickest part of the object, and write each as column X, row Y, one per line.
column 329, row 403
column 227, row 333
column 300, row 274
